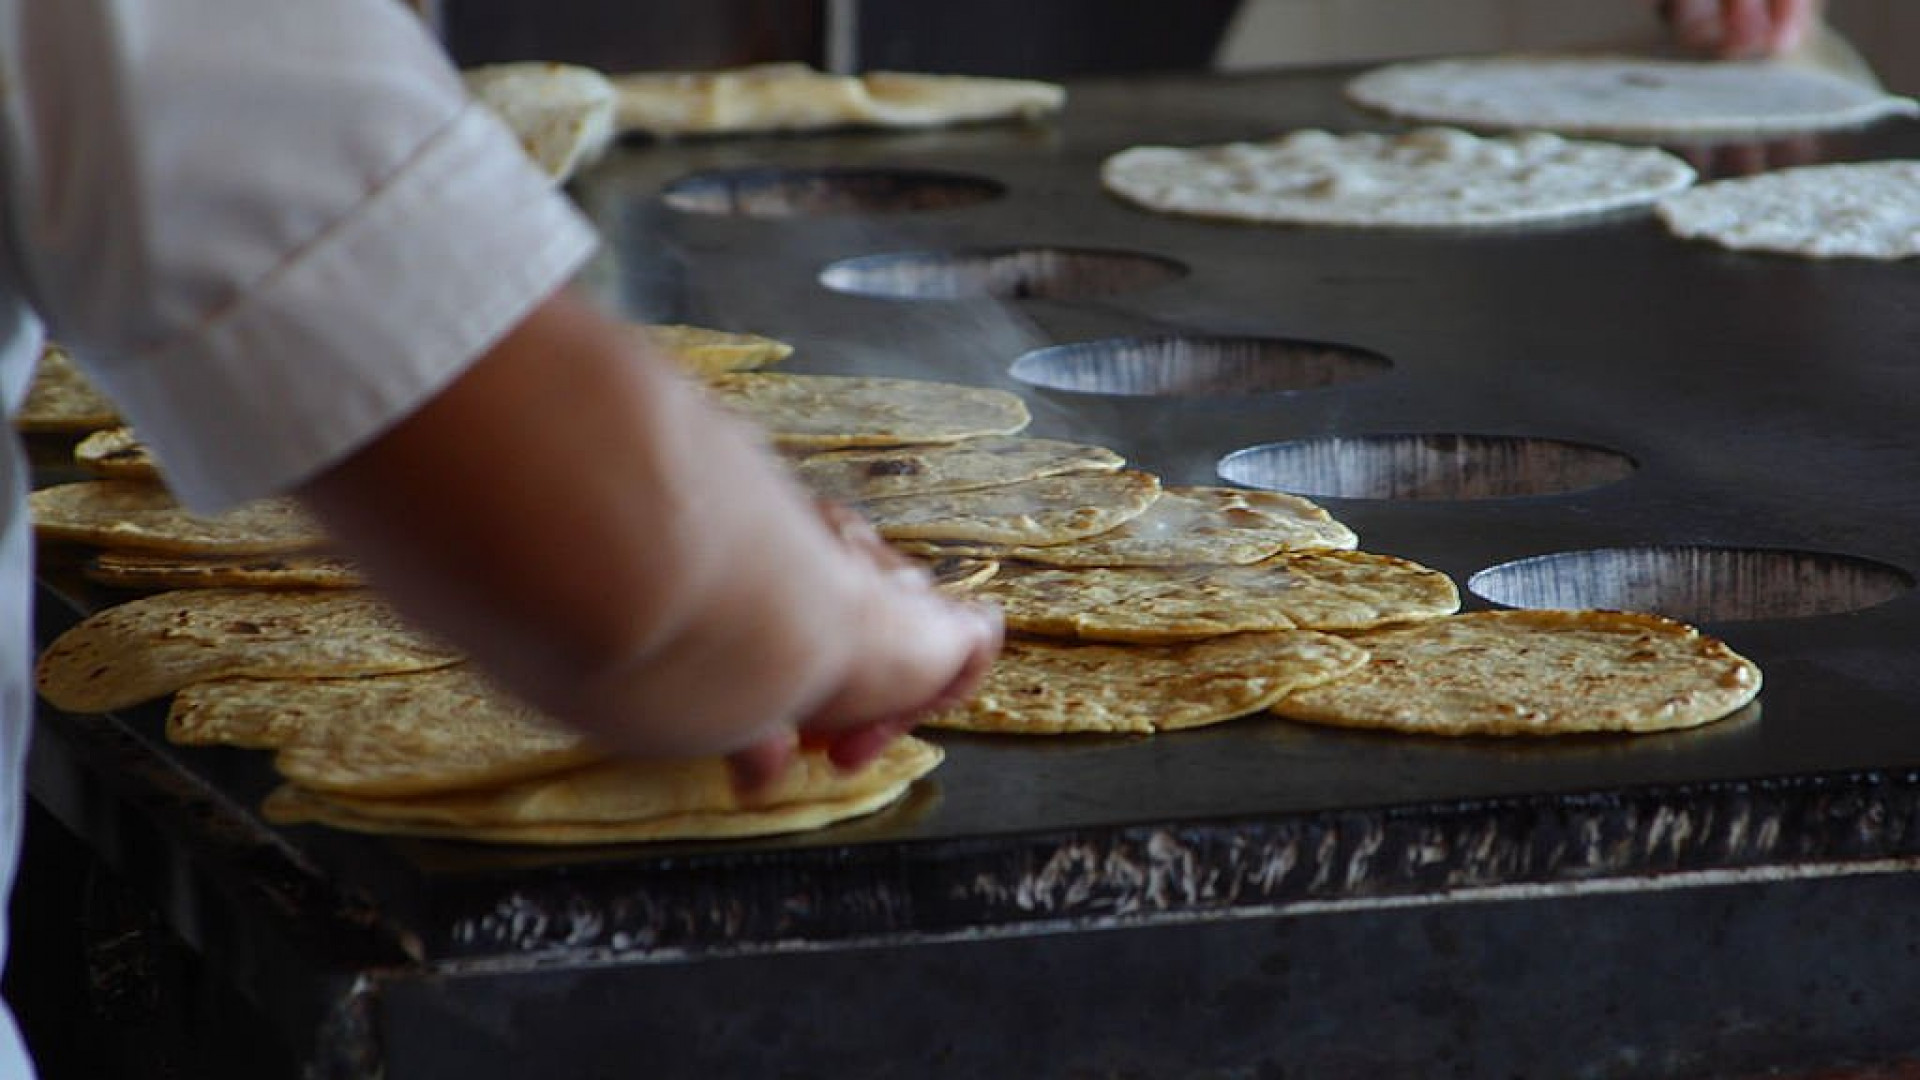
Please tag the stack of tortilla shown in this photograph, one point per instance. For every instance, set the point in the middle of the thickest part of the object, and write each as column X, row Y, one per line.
column 377, row 728
column 1134, row 607
column 265, row 642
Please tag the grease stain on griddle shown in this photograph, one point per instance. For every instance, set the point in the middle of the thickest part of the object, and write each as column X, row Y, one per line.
column 1695, row 583
column 1012, row 273
column 1196, row 367
column 790, row 193
column 1426, row 466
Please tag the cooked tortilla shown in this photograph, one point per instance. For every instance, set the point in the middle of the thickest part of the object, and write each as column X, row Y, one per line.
column 139, row 516
column 61, row 400
column 561, row 113
column 830, row 411
column 117, row 454
column 1051, row 510
column 150, row 647
column 142, row 570
column 1533, row 673
column 713, row 352
column 1039, row 686
column 1315, row 590
column 990, row 461
column 1185, row 526
column 624, row 801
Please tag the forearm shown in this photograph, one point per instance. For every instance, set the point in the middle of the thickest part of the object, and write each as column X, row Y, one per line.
column 575, row 518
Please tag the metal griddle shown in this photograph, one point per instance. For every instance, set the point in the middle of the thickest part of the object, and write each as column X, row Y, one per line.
column 1261, row 899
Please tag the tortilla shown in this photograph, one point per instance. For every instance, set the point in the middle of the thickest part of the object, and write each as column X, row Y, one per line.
column 1430, row 178
column 141, row 570
column 959, row 576
column 1627, row 96
column 384, row 735
column 1315, row 590
column 912, row 99
column 153, row 646
column 144, row 517
column 1868, row 210
column 991, row 461
column 1534, row 673
column 391, row 735
column 795, row 97
column 1186, row 526
column 1052, row 510
column 1041, row 687
column 713, row 352
column 561, row 113
column 116, row 454
column 61, row 400
column 623, row 801
column 829, row 411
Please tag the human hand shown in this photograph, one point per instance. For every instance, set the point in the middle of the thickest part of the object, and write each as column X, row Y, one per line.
column 1740, row 29
column 635, row 562
column 869, row 711
column 1724, row 160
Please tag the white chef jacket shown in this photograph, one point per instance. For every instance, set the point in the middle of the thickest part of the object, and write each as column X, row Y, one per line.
column 269, row 229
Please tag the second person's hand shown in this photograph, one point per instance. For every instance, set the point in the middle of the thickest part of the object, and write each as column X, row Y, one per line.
column 1740, row 29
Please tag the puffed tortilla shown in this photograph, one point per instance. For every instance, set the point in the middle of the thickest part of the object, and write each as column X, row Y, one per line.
column 627, row 801
column 150, row 647
column 1533, row 673
column 826, row 412
column 1044, row 687
column 141, row 516
column 1314, row 590
column 990, row 461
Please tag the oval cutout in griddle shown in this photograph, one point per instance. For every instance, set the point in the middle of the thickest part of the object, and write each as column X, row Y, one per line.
column 783, row 193
column 1695, row 584
column 1044, row 273
column 1196, row 366
column 1433, row 466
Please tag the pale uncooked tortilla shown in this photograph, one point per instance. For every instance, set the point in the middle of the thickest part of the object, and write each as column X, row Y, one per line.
column 1632, row 96
column 1862, row 211
column 1432, row 178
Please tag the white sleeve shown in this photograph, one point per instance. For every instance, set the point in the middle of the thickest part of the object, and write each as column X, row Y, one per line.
column 272, row 227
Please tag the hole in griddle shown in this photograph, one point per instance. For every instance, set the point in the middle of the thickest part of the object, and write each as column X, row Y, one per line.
column 1045, row 273
column 781, row 193
column 1196, row 366
column 1434, row 466
column 1695, row 584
